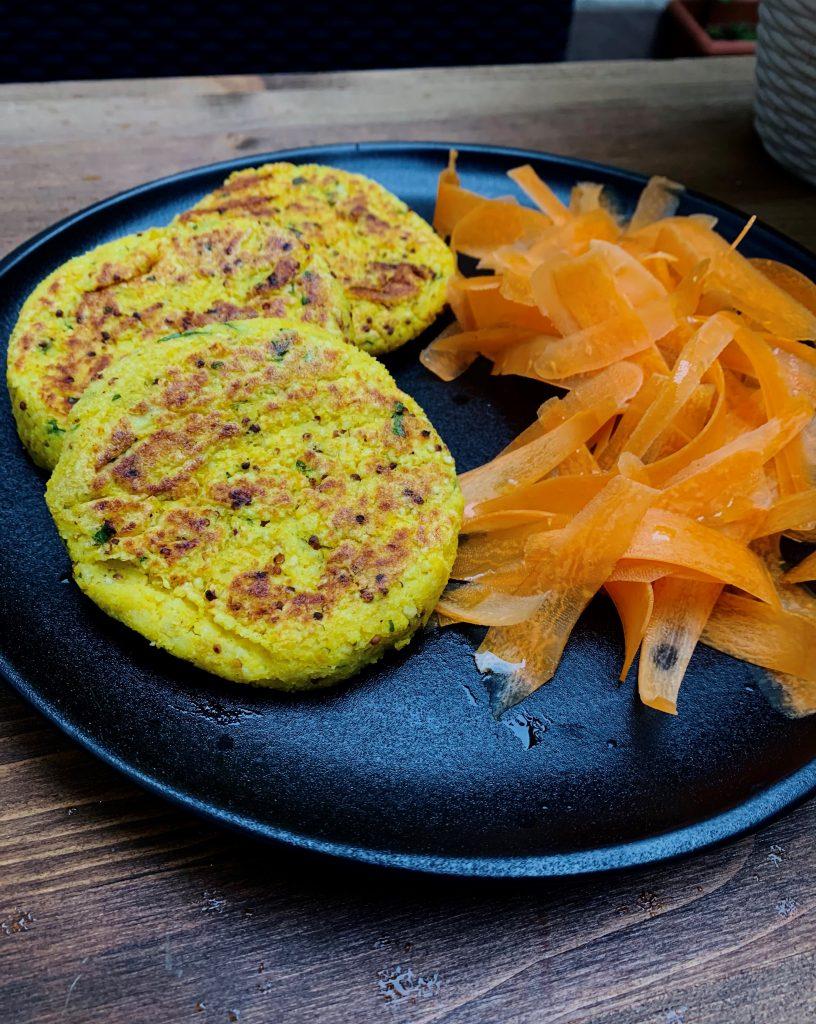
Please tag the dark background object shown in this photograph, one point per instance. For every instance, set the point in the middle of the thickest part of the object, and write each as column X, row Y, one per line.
column 42, row 41
column 616, row 30
column 403, row 765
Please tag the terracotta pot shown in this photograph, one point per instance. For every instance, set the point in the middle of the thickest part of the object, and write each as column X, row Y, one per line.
column 687, row 24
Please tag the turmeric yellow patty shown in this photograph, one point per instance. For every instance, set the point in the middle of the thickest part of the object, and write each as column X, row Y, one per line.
column 392, row 266
column 258, row 498
column 127, row 293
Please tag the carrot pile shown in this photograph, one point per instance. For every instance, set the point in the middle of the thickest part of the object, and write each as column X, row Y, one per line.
column 682, row 447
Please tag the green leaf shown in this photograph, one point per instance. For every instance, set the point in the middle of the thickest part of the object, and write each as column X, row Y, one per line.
column 54, row 428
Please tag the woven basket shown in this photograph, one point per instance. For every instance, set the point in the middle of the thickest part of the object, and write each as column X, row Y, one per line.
column 786, row 83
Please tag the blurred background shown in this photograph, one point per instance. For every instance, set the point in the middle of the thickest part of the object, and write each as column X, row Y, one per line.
column 46, row 41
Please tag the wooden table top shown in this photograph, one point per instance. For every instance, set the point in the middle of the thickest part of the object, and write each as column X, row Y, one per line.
column 116, row 907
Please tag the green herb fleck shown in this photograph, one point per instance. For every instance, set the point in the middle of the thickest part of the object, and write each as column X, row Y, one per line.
column 54, row 427
column 299, row 180
column 217, row 364
column 177, row 334
column 390, row 626
column 103, row 534
column 302, row 467
column 305, row 300
column 397, row 424
column 116, row 398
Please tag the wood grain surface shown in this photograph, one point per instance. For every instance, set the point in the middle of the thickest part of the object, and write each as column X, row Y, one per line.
column 116, row 907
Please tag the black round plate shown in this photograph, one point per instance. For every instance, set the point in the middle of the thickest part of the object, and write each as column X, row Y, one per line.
column 404, row 765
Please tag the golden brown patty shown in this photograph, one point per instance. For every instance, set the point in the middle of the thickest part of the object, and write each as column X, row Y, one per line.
column 129, row 292
column 393, row 268
column 260, row 499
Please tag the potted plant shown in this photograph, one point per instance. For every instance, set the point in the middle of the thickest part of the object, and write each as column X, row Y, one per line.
column 709, row 28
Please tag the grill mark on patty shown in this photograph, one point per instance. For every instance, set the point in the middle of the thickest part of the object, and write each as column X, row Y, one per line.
column 258, row 595
column 357, row 211
column 181, row 390
column 121, row 439
column 135, row 470
column 283, row 273
column 182, row 531
column 252, row 205
column 391, row 283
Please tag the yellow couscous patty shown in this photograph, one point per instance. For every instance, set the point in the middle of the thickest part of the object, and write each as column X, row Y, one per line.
column 259, row 498
column 392, row 266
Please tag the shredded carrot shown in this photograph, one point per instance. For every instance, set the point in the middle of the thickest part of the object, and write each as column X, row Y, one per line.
column 745, row 229
column 711, row 485
column 789, row 280
column 682, row 447
column 585, row 197
column 540, row 193
column 658, row 199
column 694, row 359
column 794, row 512
column 804, row 571
column 634, row 603
column 452, row 201
column 776, row 639
column 489, row 307
column 681, row 608
column 563, row 576
column 733, row 282
column 523, row 466
column 526, row 465
column 491, row 224
column 674, row 539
